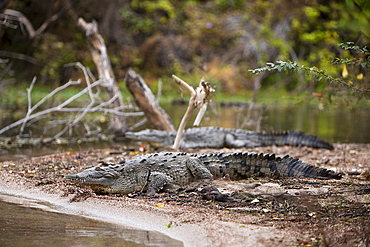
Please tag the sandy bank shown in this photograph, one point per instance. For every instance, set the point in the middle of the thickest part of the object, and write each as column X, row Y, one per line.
column 191, row 226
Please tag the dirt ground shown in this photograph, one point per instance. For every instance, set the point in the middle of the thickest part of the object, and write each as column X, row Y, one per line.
column 291, row 211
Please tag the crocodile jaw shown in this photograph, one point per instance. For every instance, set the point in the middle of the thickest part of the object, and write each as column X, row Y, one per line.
column 75, row 178
column 95, row 177
column 156, row 138
column 147, row 135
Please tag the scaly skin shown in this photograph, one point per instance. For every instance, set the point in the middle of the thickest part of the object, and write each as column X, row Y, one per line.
column 154, row 171
column 215, row 137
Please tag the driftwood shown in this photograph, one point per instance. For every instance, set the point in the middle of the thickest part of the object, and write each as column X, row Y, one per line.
column 94, row 103
column 145, row 99
column 100, row 57
column 199, row 99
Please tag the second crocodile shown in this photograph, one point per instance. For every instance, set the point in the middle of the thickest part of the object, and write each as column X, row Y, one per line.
column 215, row 137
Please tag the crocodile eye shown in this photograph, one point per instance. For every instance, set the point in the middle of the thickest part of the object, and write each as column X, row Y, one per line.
column 98, row 169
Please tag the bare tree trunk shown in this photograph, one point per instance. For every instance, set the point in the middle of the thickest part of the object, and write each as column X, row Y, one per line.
column 145, row 99
column 100, row 57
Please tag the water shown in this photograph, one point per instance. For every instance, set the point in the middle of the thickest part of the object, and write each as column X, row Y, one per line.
column 23, row 223
column 27, row 152
column 335, row 124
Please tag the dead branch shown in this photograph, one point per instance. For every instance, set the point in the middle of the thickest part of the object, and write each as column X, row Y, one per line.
column 95, row 104
column 14, row 15
column 200, row 115
column 19, row 56
column 199, row 98
column 100, row 57
column 84, row 112
column 41, row 113
column 29, row 90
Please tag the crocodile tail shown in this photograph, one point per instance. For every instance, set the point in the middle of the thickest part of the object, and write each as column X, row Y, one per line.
column 293, row 167
column 244, row 164
column 295, row 138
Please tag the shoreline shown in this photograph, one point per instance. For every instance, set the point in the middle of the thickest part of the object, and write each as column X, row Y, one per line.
column 94, row 209
column 209, row 232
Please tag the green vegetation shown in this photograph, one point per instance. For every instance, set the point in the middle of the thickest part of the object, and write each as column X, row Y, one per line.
column 219, row 40
column 352, row 82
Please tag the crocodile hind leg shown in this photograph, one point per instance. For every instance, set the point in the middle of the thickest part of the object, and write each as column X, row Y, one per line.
column 200, row 172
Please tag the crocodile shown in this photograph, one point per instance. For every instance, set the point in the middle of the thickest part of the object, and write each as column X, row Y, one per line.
column 216, row 137
column 152, row 172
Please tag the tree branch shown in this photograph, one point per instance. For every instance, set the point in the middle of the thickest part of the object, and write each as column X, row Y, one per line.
column 199, row 98
column 32, row 33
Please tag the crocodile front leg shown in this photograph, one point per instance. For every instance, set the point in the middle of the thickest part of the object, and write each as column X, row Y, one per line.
column 157, row 182
column 232, row 141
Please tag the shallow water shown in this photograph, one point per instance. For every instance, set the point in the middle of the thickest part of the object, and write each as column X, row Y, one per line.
column 334, row 123
column 27, row 152
column 23, row 222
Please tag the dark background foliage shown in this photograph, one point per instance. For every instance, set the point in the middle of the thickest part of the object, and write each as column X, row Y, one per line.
column 219, row 39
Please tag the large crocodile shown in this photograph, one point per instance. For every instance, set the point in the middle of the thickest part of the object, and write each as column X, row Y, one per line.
column 152, row 172
column 215, row 137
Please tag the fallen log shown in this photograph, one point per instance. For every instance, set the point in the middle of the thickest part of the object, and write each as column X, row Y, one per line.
column 145, row 99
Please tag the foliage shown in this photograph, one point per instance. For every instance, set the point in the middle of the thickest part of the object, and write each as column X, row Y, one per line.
column 321, row 26
column 145, row 16
column 218, row 39
column 363, row 60
column 54, row 54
